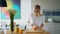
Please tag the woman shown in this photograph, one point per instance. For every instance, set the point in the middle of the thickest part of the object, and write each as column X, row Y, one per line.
column 38, row 19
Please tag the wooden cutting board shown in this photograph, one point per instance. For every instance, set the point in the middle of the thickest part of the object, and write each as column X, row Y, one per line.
column 36, row 32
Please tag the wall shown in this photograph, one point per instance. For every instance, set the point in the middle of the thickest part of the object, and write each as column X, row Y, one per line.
column 47, row 4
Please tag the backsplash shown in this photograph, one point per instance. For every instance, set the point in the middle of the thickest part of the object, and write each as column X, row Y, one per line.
column 51, row 12
column 52, row 15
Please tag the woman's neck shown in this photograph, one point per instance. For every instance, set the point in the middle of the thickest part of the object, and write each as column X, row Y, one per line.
column 38, row 14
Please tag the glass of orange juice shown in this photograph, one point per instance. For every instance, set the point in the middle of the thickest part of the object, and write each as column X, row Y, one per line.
column 21, row 31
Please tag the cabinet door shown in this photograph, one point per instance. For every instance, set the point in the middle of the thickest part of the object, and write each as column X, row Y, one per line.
column 57, row 28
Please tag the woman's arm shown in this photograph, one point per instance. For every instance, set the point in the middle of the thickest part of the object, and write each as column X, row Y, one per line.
column 43, row 24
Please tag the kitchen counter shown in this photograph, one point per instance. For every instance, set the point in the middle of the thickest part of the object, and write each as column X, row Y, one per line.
column 27, row 32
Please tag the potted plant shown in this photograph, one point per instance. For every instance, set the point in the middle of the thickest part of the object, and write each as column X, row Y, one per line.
column 12, row 14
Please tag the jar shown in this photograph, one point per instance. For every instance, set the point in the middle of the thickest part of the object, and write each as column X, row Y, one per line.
column 17, row 28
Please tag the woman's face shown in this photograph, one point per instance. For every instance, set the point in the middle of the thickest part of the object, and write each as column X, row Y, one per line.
column 37, row 10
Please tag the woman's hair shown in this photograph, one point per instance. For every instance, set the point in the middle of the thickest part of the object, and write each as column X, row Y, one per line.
column 37, row 6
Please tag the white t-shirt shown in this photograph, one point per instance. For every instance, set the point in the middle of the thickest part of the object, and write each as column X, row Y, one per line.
column 37, row 20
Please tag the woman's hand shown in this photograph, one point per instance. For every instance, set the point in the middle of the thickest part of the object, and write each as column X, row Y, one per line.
column 35, row 27
column 41, row 26
column 28, row 21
